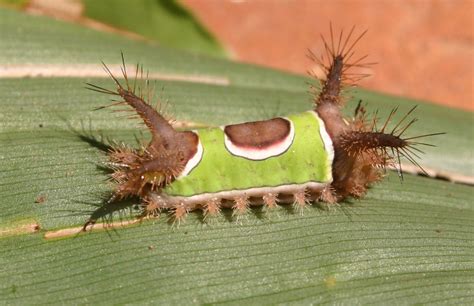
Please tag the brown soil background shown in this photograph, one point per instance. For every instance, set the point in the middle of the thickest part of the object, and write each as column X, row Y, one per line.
column 424, row 49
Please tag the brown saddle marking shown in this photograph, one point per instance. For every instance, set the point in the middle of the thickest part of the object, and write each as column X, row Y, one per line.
column 258, row 134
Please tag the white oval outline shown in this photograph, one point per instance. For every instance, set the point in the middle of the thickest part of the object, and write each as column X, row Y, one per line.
column 193, row 161
column 261, row 154
column 327, row 141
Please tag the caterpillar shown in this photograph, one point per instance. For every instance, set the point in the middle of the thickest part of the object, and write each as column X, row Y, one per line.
column 317, row 155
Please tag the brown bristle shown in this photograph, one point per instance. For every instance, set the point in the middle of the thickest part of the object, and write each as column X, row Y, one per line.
column 179, row 213
column 123, row 156
column 336, row 63
column 332, row 85
column 270, row 200
column 241, row 205
column 328, row 195
column 212, row 208
column 363, row 152
column 354, row 143
column 383, row 148
column 151, row 207
column 157, row 164
column 300, row 200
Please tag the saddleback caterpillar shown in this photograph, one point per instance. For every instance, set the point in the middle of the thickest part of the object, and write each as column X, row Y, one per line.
column 317, row 155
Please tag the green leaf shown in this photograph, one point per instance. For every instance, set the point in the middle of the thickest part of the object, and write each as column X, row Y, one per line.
column 405, row 242
column 165, row 21
column 14, row 3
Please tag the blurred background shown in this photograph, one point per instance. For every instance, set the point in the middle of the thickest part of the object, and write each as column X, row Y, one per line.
column 424, row 49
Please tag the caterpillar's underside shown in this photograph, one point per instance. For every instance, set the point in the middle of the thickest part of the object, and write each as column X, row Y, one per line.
column 341, row 158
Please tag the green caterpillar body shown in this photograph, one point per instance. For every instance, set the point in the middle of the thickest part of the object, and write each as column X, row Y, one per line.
column 298, row 157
